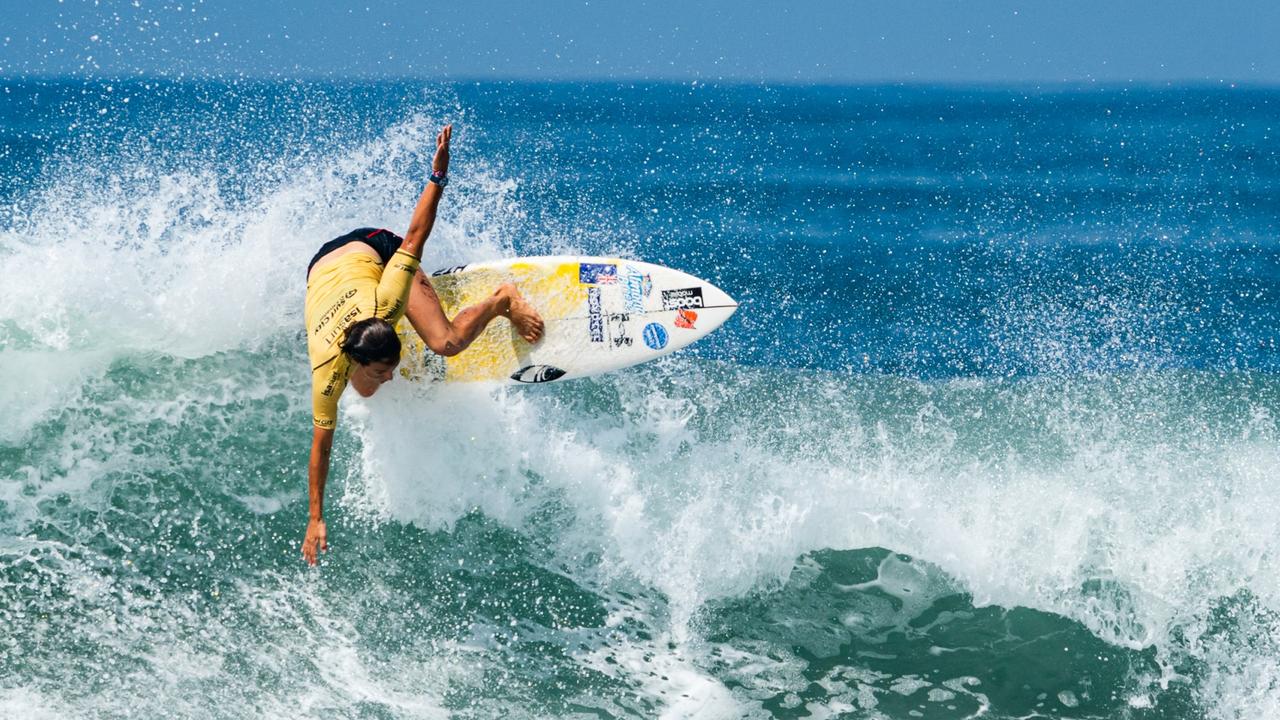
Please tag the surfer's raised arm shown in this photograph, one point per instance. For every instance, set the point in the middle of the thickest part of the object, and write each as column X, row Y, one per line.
column 424, row 215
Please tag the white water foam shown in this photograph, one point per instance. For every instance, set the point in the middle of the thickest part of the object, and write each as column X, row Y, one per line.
column 1135, row 516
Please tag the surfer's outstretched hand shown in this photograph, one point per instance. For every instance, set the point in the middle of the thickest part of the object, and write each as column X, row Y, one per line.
column 440, row 164
column 316, row 540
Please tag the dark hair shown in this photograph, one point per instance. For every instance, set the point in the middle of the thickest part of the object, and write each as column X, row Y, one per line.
column 372, row 340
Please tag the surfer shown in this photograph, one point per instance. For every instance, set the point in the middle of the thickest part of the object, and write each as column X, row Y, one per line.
column 358, row 286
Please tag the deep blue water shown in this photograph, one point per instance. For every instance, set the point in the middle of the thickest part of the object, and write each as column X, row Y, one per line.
column 995, row 432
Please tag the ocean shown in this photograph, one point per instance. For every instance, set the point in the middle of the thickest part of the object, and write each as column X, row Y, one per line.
column 995, row 432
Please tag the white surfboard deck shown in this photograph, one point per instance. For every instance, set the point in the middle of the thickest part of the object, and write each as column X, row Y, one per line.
column 601, row 314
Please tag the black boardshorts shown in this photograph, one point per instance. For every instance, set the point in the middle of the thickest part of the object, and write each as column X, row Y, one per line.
column 384, row 242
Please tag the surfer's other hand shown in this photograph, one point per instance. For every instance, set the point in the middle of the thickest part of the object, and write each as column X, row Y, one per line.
column 440, row 164
column 315, row 541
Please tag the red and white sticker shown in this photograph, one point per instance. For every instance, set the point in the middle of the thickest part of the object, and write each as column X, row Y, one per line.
column 685, row 319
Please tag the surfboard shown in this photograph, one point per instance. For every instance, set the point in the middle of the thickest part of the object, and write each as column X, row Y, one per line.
column 601, row 314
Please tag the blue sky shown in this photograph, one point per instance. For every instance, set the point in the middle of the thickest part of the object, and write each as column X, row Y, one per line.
column 816, row 41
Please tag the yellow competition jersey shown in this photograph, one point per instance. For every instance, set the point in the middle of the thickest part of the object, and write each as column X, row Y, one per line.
column 342, row 292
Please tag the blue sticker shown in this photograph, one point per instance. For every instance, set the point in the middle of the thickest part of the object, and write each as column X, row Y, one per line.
column 597, row 273
column 655, row 336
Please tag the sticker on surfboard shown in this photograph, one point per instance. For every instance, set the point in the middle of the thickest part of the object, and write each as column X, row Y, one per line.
column 655, row 336
column 682, row 298
column 597, row 273
column 537, row 374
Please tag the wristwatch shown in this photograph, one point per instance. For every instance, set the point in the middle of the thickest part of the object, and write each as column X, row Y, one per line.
column 439, row 178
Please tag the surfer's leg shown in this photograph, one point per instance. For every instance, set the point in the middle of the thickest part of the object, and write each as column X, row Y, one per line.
column 450, row 337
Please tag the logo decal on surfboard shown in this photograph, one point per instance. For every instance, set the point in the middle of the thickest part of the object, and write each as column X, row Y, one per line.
column 636, row 287
column 537, row 374
column 618, row 329
column 597, row 273
column 595, row 320
column 685, row 319
column 655, row 336
column 682, row 298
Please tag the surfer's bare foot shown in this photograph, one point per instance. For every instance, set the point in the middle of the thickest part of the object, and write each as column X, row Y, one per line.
column 527, row 320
